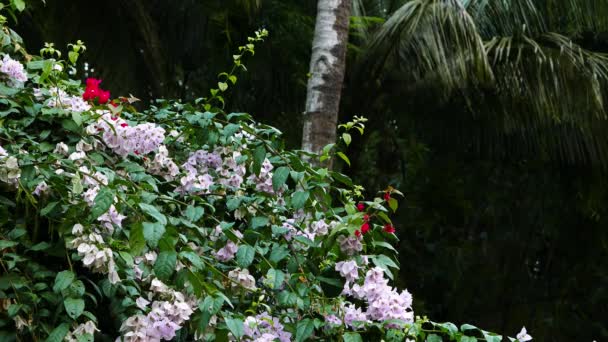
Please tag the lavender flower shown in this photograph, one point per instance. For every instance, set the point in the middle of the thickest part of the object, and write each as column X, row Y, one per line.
column 14, row 70
column 264, row 327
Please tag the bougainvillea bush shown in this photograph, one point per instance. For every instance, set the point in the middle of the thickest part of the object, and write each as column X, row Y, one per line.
column 181, row 222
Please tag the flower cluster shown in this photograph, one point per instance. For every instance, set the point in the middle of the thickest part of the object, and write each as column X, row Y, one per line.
column 205, row 169
column 94, row 253
column 265, row 328
column 350, row 245
column 263, row 181
column 383, row 302
column 60, row 99
column 242, row 278
column 93, row 91
column 14, row 70
column 82, row 329
column 165, row 317
column 124, row 139
column 9, row 168
column 163, row 165
column 227, row 252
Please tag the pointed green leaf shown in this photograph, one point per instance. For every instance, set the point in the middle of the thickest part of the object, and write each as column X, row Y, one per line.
column 244, row 256
column 299, row 198
column 152, row 211
column 152, row 233
column 344, row 157
column 165, row 264
column 74, row 307
column 235, row 326
column 63, row 280
column 102, row 203
column 279, row 177
column 304, row 329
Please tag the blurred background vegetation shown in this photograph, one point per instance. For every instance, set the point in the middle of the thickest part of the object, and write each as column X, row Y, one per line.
column 494, row 127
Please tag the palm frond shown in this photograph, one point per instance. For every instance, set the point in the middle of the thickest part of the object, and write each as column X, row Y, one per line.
column 534, row 17
column 430, row 39
column 549, row 79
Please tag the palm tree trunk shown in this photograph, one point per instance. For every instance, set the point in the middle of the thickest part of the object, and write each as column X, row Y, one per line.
column 326, row 74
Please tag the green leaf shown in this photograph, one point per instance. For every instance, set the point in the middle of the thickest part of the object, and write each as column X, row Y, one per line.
column 383, row 244
column 152, row 211
column 434, row 338
column 59, row 333
column 85, row 338
column 194, row 213
column 347, row 138
column 304, row 329
column 393, row 204
column 222, row 85
column 77, row 118
column 74, row 307
column 165, row 264
column 48, row 208
column 274, row 278
column 63, row 280
column 468, row 339
column 352, row 337
column 7, row 244
column 73, row 56
column 344, row 157
column 279, row 177
column 19, row 5
column 137, row 241
column 153, row 232
column 194, row 259
column 103, row 201
column 41, row 246
column 126, row 257
column 278, row 253
column 259, row 221
column 235, row 326
column 299, row 198
column 244, row 256
column 491, row 337
column 233, row 203
column 258, row 158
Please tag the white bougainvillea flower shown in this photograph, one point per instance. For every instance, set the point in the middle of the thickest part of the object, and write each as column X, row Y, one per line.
column 523, row 335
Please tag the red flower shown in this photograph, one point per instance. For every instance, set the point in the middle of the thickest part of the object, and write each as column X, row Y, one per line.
column 365, row 228
column 389, row 228
column 360, row 206
column 90, row 93
column 387, row 196
column 124, row 124
column 104, row 96
column 93, row 83
column 357, row 233
column 136, row 152
column 366, row 218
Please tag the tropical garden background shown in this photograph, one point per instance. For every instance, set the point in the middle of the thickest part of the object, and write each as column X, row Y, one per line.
column 489, row 116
